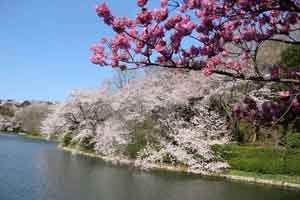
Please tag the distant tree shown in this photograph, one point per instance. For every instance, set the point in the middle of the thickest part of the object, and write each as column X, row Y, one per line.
column 291, row 57
column 30, row 117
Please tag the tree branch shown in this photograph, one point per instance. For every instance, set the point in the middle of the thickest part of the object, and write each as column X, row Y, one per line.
column 285, row 41
column 257, row 78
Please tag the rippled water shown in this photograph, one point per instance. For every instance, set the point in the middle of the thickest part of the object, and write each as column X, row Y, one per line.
column 37, row 170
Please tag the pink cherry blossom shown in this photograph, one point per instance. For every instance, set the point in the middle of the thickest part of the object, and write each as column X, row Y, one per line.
column 160, row 14
column 196, row 33
column 144, row 17
column 284, row 93
column 102, row 10
column 141, row 3
column 164, row 3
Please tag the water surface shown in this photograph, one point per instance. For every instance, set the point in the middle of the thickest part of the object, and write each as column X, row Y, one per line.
column 37, row 170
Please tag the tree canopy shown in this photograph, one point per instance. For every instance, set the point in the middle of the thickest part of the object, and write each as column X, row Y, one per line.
column 214, row 37
column 195, row 35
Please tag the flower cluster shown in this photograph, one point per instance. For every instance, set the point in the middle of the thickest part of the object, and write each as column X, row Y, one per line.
column 101, row 120
column 98, row 56
column 286, row 106
column 193, row 34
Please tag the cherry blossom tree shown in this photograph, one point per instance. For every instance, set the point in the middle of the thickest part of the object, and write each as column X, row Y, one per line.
column 194, row 35
column 161, row 88
column 100, row 119
column 213, row 36
column 84, row 109
column 190, row 131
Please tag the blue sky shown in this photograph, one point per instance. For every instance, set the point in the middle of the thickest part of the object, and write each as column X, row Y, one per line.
column 44, row 46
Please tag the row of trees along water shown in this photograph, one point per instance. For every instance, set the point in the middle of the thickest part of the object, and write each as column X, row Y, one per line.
column 206, row 73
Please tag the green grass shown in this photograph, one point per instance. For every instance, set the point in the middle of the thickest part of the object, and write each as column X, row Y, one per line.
column 273, row 177
column 262, row 160
column 34, row 137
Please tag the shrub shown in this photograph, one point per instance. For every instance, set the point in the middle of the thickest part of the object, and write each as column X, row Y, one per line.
column 141, row 133
column 290, row 56
column 293, row 140
column 66, row 139
column 264, row 160
column 87, row 144
column 292, row 162
column 245, row 132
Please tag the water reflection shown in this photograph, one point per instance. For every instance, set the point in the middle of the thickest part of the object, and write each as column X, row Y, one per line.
column 32, row 170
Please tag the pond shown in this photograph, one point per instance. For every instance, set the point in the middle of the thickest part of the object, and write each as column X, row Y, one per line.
column 37, row 170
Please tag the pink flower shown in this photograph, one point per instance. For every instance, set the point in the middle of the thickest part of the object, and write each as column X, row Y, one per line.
column 95, row 48
column 207, row 71
column 133, row 32
column 179, row 61
column 157, row 32
column 236, row 108
column 229, row 26
column 244, row 3
column 160, row 14
column 118, row 25
column 161, row 47
column 249, row 34
column 183, row 8
column 144, row 17
column 103, row 11
column 185, row 26
column 200, row 13
column 141, row 3
column 207, row 3
column 97, row 59
column 194, row 51
column 232, row 64
column 139, row 44
column 284, row 93
column 193, row 3
column 120, row 41
column 245, row 56
column 216, row 60
column 163, row 3
column 172, row 22
column 224, row 53
column 98, row 54
column 104, row 40
column 295, row 102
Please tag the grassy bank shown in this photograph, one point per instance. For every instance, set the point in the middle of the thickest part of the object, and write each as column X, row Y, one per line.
column 284, row 181
column 32, row 136
column 260, row 160
column 273, row 177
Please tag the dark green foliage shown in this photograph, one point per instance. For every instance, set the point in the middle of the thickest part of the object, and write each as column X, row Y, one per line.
column 290, row 57
column 263, row 160
column 66, row 139
column 87, row 144
column 293, row 140
column 142, row 133
column 244, row 132
column 276, row 87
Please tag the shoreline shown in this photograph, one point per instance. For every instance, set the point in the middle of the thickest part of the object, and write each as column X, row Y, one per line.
column 234, row 178
column 122, row 161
